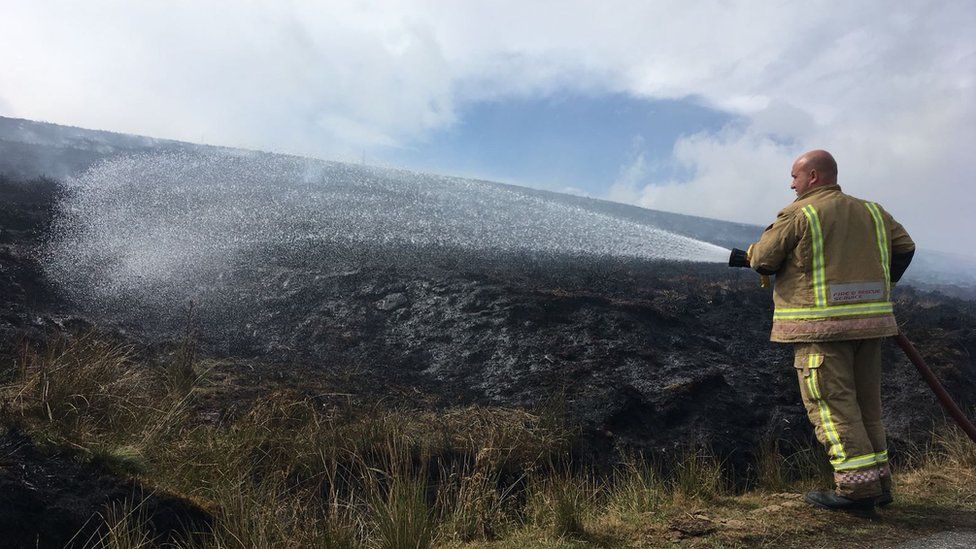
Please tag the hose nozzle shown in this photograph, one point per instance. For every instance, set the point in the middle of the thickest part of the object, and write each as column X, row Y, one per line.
column 739, row 258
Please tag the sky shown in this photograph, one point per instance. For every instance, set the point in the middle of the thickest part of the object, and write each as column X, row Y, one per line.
column 692, row 107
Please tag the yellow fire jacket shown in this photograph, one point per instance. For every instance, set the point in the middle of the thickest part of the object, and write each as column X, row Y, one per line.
column 835, row 258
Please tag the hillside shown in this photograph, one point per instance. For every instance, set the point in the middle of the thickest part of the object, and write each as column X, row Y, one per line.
column 176, row 316
column 31, row 149
column 647, row 353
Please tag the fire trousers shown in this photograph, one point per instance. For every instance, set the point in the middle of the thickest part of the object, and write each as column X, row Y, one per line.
column 840, row 382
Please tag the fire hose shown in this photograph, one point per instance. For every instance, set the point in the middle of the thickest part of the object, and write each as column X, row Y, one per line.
column 739, row 258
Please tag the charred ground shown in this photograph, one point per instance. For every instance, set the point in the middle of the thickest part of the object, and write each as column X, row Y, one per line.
column 642, row 353
column 650, row 356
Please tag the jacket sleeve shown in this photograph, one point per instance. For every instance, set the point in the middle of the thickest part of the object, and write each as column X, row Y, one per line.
column 777, row 242
column 902, row 247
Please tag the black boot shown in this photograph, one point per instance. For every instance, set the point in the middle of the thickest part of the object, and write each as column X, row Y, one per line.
column 830, row 500
column 884, row 499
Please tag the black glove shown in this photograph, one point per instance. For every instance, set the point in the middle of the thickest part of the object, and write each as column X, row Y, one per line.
column 739, row 258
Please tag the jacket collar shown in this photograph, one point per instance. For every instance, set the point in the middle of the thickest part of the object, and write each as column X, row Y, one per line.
column 818, row 189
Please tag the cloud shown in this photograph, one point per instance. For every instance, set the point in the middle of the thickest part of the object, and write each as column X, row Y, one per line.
column 735, row 175
column 278, row 76
column 887, row 87
column 890, row 92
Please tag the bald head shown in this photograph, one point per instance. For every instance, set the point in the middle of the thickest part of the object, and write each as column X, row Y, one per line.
column 813, row 169
column 822, row 161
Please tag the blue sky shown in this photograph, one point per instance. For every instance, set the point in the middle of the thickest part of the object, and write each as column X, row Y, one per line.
column 692, row 107
column 566, row 142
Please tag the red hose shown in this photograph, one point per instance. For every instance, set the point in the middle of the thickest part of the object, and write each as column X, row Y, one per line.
column 944, row 398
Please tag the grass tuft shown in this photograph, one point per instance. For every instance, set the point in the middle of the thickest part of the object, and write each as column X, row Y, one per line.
column 402, row 516
column 120, row 460
column 698, row 475
column 637, row 486
column 75, row 387
column 123, row 526
column 473, row 498
column 561, row 501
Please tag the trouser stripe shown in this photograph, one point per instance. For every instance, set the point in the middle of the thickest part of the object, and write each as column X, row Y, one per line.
column 858, row 462
column 836, row 448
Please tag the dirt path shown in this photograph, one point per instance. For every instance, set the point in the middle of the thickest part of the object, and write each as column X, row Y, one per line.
column 957, row 539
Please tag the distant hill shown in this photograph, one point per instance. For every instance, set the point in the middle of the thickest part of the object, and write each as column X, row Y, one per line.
column 30, row 149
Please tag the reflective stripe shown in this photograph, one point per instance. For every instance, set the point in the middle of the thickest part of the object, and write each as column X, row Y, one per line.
column 836, row 448
column 819, row 269
column 882, row 235
column 858, row 462
column 866, row 309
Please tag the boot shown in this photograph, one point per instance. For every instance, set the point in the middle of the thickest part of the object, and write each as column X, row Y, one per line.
column 884, row 474
column 833, row 502
column 884, row 499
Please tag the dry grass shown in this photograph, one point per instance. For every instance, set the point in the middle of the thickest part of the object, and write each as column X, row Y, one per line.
column 637, row 487
column 697, row 475
column 77, row 387
column 560, row 502
column 292, row 472
column 943, row 471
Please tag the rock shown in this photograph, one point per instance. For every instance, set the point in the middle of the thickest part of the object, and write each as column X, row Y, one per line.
column 692, row 526
column 392, row 302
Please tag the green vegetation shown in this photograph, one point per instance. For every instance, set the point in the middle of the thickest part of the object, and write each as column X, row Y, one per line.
column 291, row 470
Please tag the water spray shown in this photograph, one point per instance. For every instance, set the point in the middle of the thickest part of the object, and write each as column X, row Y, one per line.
column 155, row 230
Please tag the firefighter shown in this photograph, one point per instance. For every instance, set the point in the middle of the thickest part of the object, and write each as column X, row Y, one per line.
column 835, row 258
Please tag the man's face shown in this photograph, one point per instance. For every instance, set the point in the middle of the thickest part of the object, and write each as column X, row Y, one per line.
column 802, row 178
